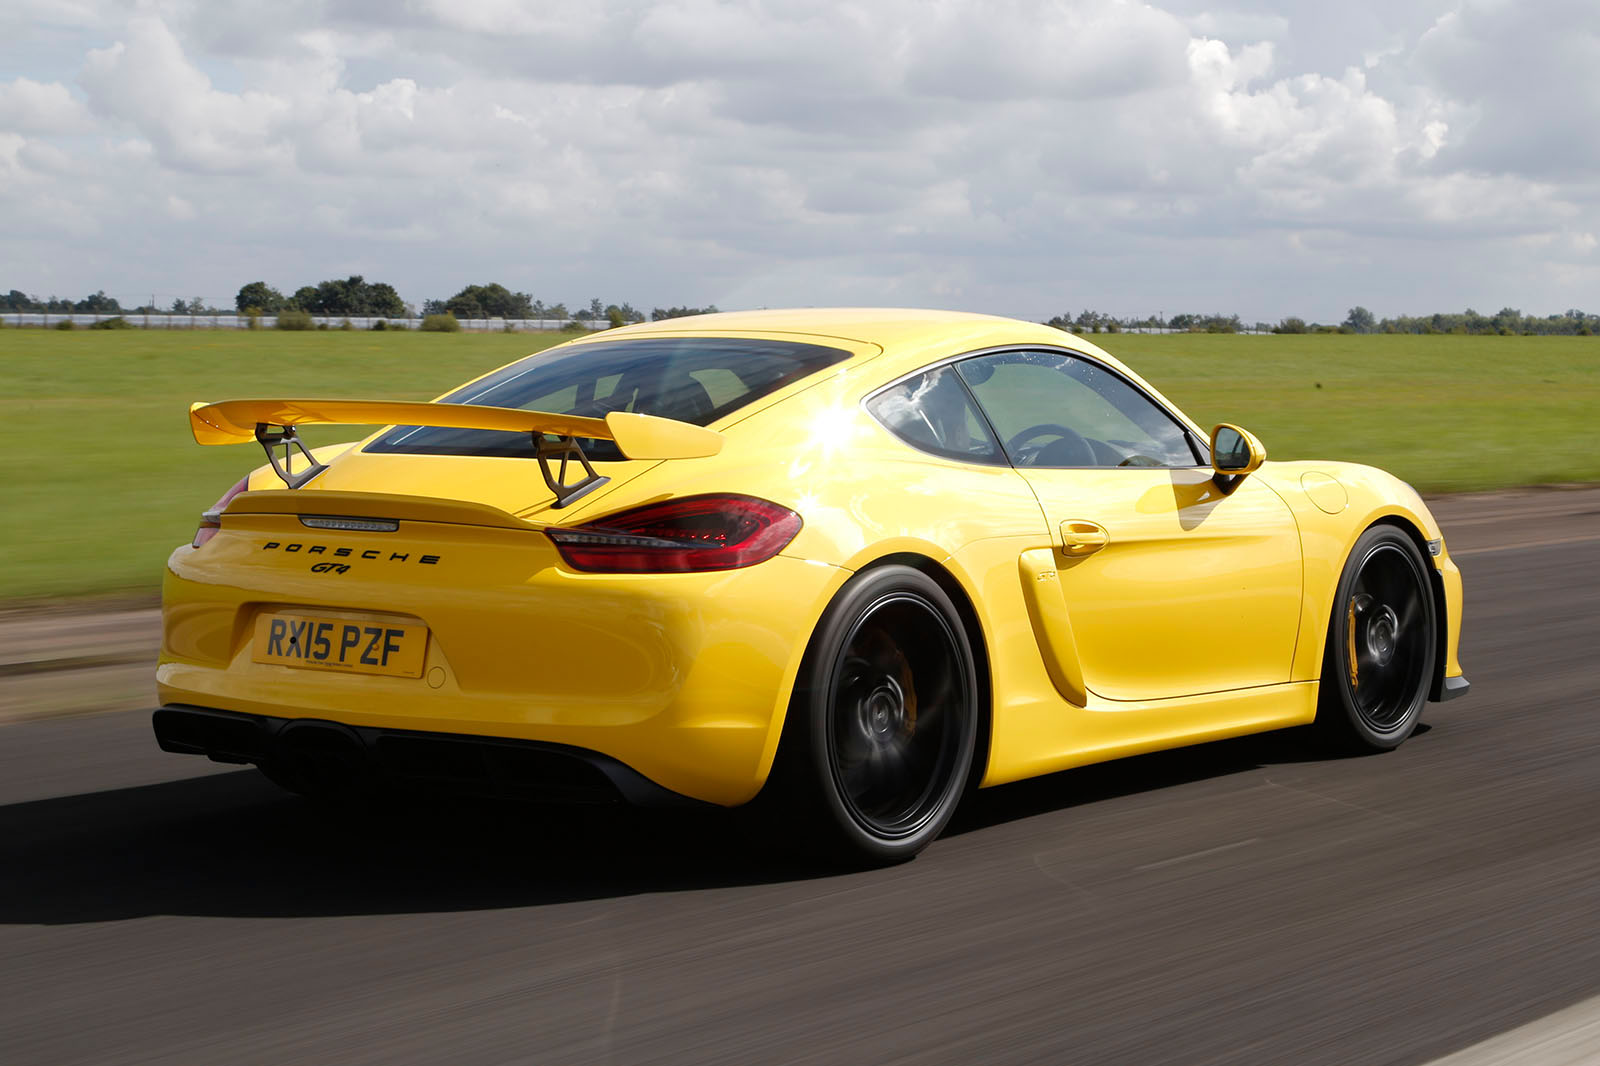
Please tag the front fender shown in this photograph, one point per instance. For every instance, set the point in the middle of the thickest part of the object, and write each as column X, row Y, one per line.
column 1334, row 503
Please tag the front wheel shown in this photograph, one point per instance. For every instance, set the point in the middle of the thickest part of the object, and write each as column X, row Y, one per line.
column 883, row 722
column 1381, row 645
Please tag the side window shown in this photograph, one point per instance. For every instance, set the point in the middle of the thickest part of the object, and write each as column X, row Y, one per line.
column 933, row 413
column 1052, row 410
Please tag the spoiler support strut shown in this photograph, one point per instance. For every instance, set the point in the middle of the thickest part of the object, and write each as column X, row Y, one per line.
column 565, row 448
column 268, row 438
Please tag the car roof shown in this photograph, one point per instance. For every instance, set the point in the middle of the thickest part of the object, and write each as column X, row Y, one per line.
column 887, row 327
column 908, row 337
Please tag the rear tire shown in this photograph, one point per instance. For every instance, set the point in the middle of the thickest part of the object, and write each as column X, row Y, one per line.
column 883, row 722
column 1379, row 660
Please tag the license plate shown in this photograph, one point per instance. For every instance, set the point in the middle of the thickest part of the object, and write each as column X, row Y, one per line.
column 340, row 644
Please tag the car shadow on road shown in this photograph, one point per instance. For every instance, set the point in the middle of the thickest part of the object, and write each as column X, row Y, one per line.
column 1144, row 773
column 233, row 845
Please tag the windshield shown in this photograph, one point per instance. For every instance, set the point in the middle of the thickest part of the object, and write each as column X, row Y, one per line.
column 691, row 379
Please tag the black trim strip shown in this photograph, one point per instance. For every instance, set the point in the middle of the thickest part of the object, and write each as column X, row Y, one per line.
column 451, row 762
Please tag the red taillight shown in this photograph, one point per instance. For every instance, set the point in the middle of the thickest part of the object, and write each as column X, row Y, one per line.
column 211, row 520
column 718, row 532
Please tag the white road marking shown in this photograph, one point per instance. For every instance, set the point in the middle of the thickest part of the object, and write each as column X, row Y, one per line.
column 1344, row 803
column 1568, row 1037
column 1198, row 854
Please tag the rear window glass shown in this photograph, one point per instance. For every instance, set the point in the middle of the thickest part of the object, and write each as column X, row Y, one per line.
column 691, row 379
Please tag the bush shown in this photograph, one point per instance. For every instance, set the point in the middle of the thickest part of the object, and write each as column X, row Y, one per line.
column 65, row 323
column 294, row 320
column 346, row 326
column 574, row 326
column 252, row 318
column 322, row 326
column 379, row 325
column 113, row 323
column 445, row 323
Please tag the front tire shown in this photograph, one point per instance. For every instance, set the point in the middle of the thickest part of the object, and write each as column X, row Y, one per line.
column 1381, row 645
column 883, row 722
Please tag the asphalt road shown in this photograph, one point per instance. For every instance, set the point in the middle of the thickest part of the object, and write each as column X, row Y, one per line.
column 1247, row 901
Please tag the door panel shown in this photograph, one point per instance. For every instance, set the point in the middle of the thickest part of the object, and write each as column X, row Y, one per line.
column 1168, row 587
column 1187, row 590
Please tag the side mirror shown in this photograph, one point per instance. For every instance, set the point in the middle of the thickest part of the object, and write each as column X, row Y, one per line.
column 1235, row 452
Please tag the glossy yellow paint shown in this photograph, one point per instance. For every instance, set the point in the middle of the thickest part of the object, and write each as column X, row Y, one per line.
column 1256, row 452
column 639, row 436
column 1116, row 610
column 1186, row 571
column 633, row 666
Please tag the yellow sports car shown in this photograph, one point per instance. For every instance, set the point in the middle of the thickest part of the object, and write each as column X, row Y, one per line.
column 852, row 561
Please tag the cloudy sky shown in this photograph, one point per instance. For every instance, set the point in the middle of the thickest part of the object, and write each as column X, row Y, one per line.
column 1025, row 157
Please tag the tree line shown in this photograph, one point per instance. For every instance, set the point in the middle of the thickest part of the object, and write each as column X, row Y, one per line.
column 496, row 301
column 98, row 303
column 1506, row 322
column 348, row 296
column 94, row 304
column 356, row 297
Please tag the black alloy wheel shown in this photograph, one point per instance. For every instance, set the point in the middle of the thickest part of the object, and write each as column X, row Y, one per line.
column 882, row 728
column 1381, row 645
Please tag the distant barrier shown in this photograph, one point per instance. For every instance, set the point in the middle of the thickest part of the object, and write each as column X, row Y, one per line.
column 13, row 319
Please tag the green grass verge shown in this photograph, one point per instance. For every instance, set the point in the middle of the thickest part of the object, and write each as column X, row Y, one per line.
column 100, row 474
column 101, row 477
column 1448, row 414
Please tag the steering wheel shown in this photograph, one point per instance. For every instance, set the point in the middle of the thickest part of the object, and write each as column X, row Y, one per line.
column 1068, row 449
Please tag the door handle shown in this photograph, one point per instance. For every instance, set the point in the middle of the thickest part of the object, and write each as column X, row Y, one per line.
column 1080, row 537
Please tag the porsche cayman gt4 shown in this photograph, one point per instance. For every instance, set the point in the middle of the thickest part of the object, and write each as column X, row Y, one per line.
column 851, row 562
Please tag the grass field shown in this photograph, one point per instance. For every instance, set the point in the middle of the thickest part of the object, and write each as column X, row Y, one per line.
column 101, row 477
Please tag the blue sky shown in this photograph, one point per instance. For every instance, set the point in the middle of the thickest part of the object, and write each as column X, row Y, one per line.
column 1012, row 156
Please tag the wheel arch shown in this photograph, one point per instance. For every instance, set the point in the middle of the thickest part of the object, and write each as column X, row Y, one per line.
column 965, row 611
column 968, row 614
column 1441, row 629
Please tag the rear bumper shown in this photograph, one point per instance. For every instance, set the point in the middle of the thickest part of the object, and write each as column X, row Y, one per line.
column 684, row 678
column 513, row 769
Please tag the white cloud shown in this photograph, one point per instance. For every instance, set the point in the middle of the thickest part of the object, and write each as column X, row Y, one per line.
column 147, row 83
column 28, row 106
column 1526, row 82
column 1014, row 155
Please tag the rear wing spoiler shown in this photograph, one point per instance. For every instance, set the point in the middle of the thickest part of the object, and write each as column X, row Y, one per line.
column 273, row 422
